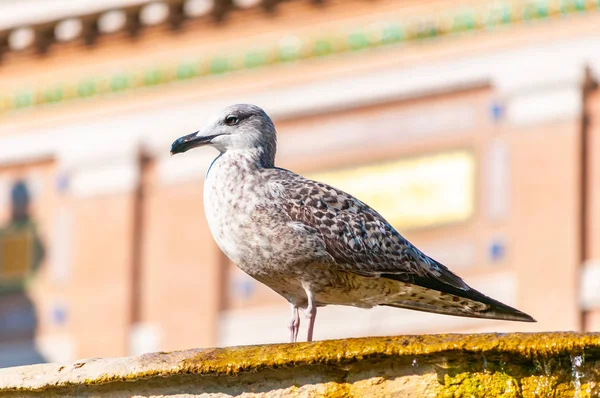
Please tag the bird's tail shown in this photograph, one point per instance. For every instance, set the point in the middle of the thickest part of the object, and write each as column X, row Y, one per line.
column 500, row 312
column 433, row 296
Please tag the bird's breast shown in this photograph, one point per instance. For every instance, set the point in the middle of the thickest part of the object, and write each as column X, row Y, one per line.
column 230, row 199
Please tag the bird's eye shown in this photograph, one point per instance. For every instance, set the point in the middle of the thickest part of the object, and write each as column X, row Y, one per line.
column 231, row 120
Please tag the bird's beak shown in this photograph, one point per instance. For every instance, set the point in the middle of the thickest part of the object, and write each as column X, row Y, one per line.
column 190, row 141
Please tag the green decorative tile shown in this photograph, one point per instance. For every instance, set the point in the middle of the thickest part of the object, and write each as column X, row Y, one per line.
column 426, row 30
column 219, row 65
column 463, row 21
column 23, row 99
column 535, row 10
column 393, row 33
column 498, row 16
column 569, row 6
column 255, row 59
column 322, row 47
column 358, row 41
column 86, row 88
column 119, row 83
column 152, row 77
column 53, row 95
column 187, row 71
column 288, row 53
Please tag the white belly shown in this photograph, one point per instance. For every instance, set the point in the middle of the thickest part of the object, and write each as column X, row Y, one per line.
column 228, row 217
column 217, row 216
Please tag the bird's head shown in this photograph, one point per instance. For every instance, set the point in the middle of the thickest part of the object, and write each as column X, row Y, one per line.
column 237, row 127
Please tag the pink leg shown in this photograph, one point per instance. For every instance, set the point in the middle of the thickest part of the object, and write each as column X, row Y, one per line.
column 294, row 324
column 311, row 313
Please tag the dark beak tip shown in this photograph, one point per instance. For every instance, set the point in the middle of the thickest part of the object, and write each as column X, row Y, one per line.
column 187, row 142
column 177, row 146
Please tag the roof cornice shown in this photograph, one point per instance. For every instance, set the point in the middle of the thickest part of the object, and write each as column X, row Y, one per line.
column 388, row 33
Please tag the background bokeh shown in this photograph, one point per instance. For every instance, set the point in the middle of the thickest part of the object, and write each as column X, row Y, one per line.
column 472, row 126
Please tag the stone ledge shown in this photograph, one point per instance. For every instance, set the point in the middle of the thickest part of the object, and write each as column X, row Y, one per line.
column 538, row 364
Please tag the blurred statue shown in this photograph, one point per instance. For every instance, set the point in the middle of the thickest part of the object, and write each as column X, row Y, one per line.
column 19, row 202
column 20, row 258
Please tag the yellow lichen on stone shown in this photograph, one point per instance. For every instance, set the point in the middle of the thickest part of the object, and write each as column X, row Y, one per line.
column 252, row 358
column 466, row 384
column 483, row 365
column 542, row 386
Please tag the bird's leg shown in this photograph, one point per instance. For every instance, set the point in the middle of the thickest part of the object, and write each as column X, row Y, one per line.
column 294, row 324
column 311, row 313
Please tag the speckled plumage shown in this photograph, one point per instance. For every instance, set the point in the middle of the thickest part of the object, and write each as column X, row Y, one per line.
column 314, row 244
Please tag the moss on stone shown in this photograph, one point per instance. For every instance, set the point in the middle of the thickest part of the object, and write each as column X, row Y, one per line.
column 253, row 358
column 468, row 384
column 514, row 365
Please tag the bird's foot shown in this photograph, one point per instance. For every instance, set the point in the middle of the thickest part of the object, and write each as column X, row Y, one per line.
column 311, row 314
column 294, row 324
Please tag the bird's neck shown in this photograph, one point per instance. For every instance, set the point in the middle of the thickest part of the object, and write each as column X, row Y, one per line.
column 253, row 158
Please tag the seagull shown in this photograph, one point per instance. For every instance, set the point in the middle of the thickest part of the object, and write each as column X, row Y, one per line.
column 313, row 244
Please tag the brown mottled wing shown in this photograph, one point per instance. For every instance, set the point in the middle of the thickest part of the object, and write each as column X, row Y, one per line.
column 357, row 237
column 362, row 242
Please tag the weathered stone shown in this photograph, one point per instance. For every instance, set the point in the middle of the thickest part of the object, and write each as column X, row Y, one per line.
column 482, row 365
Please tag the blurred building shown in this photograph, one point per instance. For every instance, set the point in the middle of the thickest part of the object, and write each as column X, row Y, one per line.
column 472, row 126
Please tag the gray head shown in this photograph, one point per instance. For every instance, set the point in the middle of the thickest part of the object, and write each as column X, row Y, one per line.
column 237, row 127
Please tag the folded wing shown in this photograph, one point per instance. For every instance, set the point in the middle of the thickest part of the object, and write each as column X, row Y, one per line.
column 361, row 241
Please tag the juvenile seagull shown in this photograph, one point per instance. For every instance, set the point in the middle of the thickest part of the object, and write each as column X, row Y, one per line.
column 312, row 243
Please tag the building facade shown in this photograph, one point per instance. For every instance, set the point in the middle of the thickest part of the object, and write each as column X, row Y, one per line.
column 472, row 127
